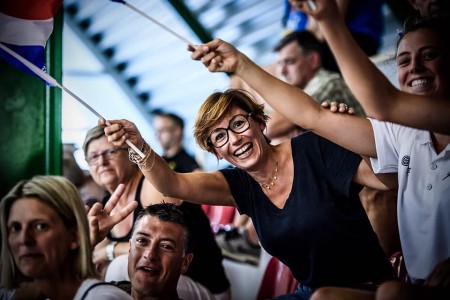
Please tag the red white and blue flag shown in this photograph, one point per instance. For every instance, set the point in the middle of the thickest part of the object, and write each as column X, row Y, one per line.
column 25, row 26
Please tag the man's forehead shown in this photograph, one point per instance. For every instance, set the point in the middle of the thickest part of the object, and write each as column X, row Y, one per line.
column 150, row 225
column 164, row 120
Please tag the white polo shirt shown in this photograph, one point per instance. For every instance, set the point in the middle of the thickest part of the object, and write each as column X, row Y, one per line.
column 423, row 194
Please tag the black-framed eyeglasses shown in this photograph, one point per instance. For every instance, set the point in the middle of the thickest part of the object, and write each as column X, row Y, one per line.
column 106, row 154
column 238, row 124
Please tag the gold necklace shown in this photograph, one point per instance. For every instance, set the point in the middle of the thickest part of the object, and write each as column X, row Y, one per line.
column 272, row 183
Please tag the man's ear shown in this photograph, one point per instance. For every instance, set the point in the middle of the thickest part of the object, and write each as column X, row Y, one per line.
column 179, row 132
column 187, row 259
column 316, row 62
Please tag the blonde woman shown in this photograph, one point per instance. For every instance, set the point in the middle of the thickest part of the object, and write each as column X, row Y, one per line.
column 45, row 240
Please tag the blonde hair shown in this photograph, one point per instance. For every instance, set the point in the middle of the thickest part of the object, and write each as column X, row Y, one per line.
column 62, row 196
column 217, row 105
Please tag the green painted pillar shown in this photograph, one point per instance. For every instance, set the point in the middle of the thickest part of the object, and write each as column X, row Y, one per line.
column 30, row 119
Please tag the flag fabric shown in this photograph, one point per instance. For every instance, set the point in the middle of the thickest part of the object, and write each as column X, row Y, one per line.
column 25, row 26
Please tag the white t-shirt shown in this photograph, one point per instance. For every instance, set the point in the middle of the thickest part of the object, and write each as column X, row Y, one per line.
column 102, row 291
column 423, row 207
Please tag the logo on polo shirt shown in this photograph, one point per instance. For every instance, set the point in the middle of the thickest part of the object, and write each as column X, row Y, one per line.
column 405, row 162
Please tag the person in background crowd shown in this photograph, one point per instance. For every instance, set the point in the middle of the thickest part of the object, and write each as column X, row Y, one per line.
column 364, row 18
column 46, row 240
column 161, row 250
column 169, row 130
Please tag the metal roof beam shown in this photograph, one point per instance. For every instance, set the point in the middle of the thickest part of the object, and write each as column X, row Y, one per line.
column 191, row 20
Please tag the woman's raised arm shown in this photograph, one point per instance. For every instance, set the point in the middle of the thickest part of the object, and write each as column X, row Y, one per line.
column 350, row 132
column 373, row 90
column 199, row 187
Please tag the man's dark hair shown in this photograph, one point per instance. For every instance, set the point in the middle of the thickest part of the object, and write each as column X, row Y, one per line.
column 175, row 118
column 168, row 212
column 305, row 40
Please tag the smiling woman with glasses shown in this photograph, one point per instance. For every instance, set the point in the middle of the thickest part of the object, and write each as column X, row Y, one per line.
column 302, row 195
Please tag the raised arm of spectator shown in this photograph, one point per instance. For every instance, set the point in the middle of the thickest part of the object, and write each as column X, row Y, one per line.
column 377, row 95
column 312, row 24
column 199, row 187
column 350, row 132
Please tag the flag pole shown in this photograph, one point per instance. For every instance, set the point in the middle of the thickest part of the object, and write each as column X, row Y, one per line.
column 46, row 77
column 174, row 33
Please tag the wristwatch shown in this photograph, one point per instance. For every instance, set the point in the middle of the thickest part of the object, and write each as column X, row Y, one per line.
column 110, row 250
